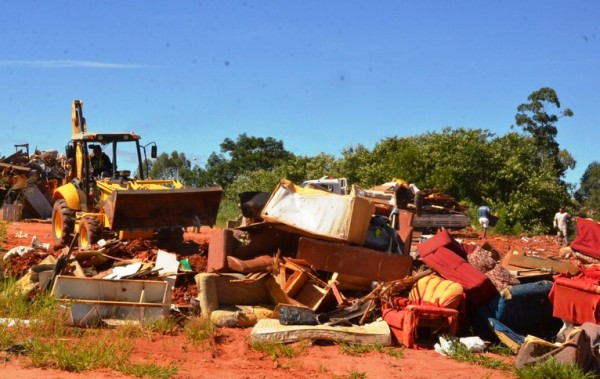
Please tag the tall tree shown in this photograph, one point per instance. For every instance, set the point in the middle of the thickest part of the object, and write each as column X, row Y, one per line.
column 247, row 154
column 174, row 166
column 535, row 119
column 589, row 191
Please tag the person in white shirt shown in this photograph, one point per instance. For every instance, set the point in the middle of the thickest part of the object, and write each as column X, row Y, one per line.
column 561, row 222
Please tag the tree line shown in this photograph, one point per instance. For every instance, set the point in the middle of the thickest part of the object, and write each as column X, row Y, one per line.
column 520, row 175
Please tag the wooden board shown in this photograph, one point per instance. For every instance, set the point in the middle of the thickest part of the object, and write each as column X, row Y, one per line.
column 270, row 330
column 558, row 266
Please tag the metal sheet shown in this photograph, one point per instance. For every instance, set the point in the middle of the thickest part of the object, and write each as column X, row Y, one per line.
column 152, row 209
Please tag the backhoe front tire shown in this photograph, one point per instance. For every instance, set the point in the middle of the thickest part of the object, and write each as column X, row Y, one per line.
column 90, row 231
column 63, row 223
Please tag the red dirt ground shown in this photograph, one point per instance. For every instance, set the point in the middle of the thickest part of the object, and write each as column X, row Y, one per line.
column 228, row 354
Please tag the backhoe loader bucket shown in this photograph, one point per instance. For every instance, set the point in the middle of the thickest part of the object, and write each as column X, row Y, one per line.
column 154, row 209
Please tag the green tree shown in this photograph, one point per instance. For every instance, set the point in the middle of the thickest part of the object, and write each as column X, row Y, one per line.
column 245, row 155
column 524, row 194
column 173, row 166
column 301, row 168
column 535, row 119
column 360, row 167
column 589, row 191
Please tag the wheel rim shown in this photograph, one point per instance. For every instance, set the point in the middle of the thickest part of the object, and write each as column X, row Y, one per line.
column 83, row 240
column 58, row 225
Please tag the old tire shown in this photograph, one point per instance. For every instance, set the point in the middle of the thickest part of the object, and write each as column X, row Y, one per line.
column 90, row 231
column 63, row 223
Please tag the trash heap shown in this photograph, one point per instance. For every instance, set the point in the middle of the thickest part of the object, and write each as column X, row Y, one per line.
column 310, row 264
column 28, row 181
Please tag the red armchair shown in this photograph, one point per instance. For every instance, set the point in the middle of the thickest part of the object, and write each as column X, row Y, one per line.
column 432, row 303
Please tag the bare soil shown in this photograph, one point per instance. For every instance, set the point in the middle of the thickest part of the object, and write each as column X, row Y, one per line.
column 228, row 355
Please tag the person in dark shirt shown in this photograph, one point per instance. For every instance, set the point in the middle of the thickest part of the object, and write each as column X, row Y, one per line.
column 484, row 218
column 100, row 162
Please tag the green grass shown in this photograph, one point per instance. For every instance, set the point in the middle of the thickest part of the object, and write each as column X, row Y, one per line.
column 551, row 369
column 148, row 370
column 274, row 350
column 199, row 329
column 164, row 326
column 39, row 325
column 500, row 349
column 461, row 353
column 357, row 375
column 361, row 349
column 78, row 355
column 3, row 233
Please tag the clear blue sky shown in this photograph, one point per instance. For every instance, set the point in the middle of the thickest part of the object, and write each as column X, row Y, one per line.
column 319, row 75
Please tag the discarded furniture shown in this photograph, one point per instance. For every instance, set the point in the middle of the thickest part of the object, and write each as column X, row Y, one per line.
column 91, row 300
column 315, row 213
column 262, row 263
column 482, row 260
column 215, row 290
column 270, row 330
column 302, row 286
column 354, row 260
column 587, row 240
column 580, row 349
column 232, row 300
column 445, row 255
column 526, row 309
column 518, row 261
column 433, row 303
column 247, row 243
column 577, row 299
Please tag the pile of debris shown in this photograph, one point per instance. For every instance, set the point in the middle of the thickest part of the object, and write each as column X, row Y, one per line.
column 312, row 264
column 28, row 181
column 327, row 266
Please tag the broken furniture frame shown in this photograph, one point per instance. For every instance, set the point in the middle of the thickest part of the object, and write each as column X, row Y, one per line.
column 92, row 300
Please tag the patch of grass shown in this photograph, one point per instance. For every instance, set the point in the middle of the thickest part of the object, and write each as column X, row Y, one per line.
column 164, row 326
column 199, row 329
column 359, row 349
column 8, row 336
column 148, row 370
column 79, row 355
column 394, row 352
column 132, row 330
column 3, row 233
column 357, row 375
column 551, row 369
column 274, row 350
column 461, row 353
column 500, row 349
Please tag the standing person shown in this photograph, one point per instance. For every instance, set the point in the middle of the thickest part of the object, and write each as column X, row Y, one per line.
column 484, row 218
column 561, row 222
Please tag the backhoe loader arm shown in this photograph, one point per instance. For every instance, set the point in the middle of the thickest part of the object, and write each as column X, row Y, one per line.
column 79, row 125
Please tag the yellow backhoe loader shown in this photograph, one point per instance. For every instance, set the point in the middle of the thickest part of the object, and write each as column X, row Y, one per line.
column 95, row 204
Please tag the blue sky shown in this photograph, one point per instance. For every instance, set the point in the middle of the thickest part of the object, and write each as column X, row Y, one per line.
column 319, row 75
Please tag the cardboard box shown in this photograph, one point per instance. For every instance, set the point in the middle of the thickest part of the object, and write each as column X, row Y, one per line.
column 320, row 214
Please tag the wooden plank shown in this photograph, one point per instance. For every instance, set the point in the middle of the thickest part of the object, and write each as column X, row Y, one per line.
column 558, row 266
column 270, row 330
column 295, row 283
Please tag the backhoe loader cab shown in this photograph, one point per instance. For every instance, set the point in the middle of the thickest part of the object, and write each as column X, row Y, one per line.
column 96, row 201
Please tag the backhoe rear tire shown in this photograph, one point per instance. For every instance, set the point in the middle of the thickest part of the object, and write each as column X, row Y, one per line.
column 63, row 223
column 90, row 231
